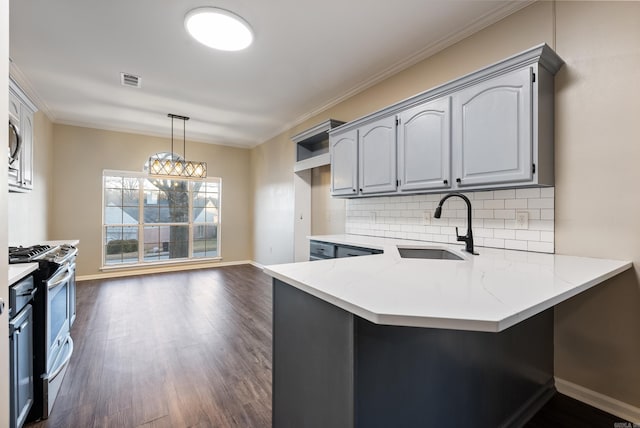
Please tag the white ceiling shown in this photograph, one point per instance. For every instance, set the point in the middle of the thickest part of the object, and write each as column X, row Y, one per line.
column 307, row 55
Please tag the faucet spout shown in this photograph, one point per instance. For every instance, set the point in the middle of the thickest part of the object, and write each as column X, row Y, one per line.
column 468, row 238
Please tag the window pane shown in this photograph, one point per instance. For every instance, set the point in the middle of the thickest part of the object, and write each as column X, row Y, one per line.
column 168, row 203
column 166, row 242
column 165, row 201
column 205, row 241
column 112, row 182
column 121, row 245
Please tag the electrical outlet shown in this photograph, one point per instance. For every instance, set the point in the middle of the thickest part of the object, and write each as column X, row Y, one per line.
column 427, row 217
column 522, row 220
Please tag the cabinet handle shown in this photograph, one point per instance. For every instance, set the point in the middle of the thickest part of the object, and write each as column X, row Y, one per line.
column 353, row 190
column 361, row 190
column 446, row 181
column 458, row 180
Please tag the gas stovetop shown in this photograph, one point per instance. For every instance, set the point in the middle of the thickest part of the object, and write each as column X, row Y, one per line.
column 28, row 254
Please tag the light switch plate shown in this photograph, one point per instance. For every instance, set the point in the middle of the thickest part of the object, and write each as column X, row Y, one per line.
column 522, row 220
column 427, row 217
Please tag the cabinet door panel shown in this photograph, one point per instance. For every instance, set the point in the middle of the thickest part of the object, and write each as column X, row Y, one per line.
column 344, row 163
column 14, row 108
column 493, row 128
column 26, row 158
column 424, row 141
column 377, row 155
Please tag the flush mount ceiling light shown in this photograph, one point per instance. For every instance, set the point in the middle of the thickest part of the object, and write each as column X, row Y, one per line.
column 218, row 28
column 175, row 166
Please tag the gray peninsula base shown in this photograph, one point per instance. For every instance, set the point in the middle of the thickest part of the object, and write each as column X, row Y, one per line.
column 334, row 369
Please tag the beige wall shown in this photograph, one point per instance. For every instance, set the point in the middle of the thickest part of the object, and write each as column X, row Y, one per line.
column 597, row 210
column 597, row 203
column 28, row 212
column 80, row 156
column 4, row 289
column 272, row 188
column 328, row 214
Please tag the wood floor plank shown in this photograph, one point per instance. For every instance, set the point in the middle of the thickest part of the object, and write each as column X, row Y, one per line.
column 170, row 350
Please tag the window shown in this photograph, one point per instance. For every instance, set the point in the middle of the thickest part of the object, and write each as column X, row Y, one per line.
column 154, row 220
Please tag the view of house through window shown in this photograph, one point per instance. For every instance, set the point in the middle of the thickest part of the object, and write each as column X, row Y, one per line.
column 149, row 219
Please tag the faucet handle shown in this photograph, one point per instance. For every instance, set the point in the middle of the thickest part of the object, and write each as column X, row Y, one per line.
column 460, row 237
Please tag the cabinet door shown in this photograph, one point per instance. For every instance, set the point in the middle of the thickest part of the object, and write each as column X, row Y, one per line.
column 21, row 361
column 26, row 158
column 493, row 130
column 377, row 156
column 424, row 146
column 14, row 115
column 344, row 163
column 14, row 108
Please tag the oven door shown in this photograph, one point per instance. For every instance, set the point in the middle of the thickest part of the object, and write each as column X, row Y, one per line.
column 58, row 312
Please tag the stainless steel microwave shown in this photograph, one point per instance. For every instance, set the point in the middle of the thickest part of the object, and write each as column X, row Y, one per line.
column 15, row 143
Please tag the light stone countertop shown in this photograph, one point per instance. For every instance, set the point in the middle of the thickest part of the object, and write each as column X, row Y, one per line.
column 489, row 292
column 20, row 270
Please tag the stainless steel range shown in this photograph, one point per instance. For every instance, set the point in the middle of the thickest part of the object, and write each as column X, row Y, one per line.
column 53, row 315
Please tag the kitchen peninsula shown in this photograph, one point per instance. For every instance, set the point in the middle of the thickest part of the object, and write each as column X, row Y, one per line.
column 383, row 340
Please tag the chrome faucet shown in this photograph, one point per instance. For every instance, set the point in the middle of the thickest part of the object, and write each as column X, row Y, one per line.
column 468, row 238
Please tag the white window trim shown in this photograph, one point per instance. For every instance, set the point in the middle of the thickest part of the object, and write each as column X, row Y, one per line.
column 141, row 263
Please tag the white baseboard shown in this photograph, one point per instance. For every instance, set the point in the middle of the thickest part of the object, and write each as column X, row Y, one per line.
column 161, row 269
column 256, row 264
column 599, row 401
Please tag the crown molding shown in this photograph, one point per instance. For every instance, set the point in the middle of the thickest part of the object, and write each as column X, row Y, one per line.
column 29, row 90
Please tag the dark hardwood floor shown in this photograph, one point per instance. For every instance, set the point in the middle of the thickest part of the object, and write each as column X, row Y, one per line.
column 170, row 350
column 193, row 349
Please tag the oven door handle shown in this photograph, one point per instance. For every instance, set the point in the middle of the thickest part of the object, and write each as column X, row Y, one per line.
column 63, row 364
column 60, row 281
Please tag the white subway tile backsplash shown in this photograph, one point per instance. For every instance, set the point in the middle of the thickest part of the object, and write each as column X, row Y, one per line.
column 503, row 233
column 527, row 193
column 505, row 214
column 547, row 214
column 504, row 194
column 494, row 204
column 540, row 203
column 547, row 192
column 527, row 235
column 515, row 245
column 515, row 203
column 483, row 195
column 494, row 214
column 541, row 247
column 494, row 223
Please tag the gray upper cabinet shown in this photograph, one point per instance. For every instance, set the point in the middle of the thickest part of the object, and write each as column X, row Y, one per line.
column 424, row 146
column 344, row 163
column 493, row 130
column 21, row 111
column 377, row 156
column 487, row 130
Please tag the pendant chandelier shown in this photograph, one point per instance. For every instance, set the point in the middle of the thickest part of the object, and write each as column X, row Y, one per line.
column 177, row 167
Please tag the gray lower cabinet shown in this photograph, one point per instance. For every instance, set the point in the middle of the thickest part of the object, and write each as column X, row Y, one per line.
column 21, row 366
column 343, row 149
column 320, row 250
column 332, row 368
column 377, row 156
column 424, row 146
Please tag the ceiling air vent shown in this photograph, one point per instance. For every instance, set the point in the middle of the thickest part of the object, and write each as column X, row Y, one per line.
column 127, row 79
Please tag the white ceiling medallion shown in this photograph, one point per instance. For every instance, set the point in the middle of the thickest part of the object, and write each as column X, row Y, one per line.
column 218, row 28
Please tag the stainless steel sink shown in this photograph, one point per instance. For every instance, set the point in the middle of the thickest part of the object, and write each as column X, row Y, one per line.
column 428, row 253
